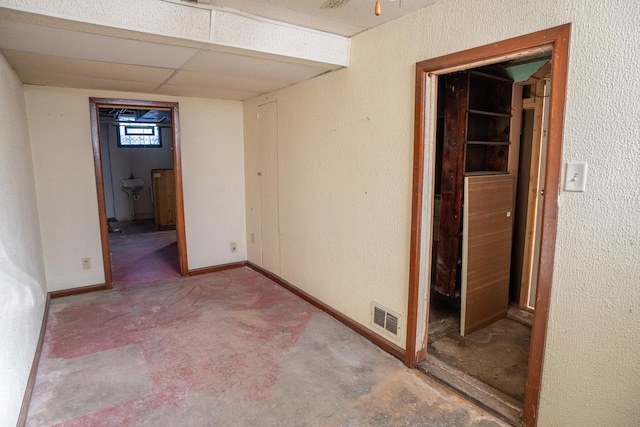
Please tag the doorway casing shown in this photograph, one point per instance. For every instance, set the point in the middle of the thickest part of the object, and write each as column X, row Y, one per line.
column 94, row 105
column 555, row 40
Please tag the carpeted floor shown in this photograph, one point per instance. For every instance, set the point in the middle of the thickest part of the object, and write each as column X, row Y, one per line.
column 224, row 349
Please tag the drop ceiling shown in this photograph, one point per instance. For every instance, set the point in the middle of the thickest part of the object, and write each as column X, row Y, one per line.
column 256, row 47
column 342, row 17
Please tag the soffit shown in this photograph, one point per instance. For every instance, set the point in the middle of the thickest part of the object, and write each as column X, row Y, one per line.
column 248, row 48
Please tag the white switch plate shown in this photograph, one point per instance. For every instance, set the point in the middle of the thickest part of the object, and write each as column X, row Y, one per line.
column 576, row 176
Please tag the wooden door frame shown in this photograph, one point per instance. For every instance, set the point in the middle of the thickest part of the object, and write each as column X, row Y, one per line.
column 94, row 105
column 533, row 195
column 557, row 41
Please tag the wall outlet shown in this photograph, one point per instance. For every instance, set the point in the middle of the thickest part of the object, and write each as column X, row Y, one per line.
column 86, row 263
column 253, row 238
column 233, row 246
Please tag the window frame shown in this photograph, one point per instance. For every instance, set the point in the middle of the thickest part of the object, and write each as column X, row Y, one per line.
column 122, row 130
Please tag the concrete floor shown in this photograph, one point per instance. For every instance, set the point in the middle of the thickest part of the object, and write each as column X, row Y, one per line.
column 224, row 349
column 497, row 355
column 139, row 226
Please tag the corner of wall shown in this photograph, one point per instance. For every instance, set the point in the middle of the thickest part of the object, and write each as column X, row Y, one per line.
column 21, row 260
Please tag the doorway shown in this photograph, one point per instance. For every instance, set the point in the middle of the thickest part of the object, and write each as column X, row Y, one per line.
column 138, row 176
column 484, row 166
column 555, row 42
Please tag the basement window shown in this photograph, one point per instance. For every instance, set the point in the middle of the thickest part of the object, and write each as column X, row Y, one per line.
column 139, row 135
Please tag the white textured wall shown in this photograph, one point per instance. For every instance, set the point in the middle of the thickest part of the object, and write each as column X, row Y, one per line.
column 213, row 174
column 22, row 279
column 213, row 182
column 345, row 168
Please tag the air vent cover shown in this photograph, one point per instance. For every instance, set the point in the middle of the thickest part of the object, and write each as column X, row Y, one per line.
column 334, row 4
column 385, row 320
column 379, row 316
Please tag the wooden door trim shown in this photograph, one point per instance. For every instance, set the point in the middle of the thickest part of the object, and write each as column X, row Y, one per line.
column 94, row 105
column 557, row 39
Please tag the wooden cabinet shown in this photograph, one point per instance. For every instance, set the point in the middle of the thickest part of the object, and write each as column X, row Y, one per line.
column 164, row 197
column 473, row 138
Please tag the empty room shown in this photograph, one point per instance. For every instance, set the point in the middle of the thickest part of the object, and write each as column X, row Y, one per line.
column 329, row 213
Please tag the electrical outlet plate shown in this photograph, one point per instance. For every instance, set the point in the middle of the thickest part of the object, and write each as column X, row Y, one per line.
column 86, row 263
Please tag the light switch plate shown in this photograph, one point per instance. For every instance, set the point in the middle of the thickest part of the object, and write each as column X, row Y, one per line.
column 576, row 176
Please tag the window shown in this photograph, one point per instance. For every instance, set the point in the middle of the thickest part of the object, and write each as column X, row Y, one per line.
column 139, row 135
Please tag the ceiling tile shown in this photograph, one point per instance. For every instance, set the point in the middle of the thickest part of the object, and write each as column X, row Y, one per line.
column 82, row 82
column 250, row 67
column 353, row 17
column 209, row 80
column 25, row 62
column 74, row 44
column 205, row 92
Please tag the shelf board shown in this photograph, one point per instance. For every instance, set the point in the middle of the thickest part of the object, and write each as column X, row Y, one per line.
column 488, row 142
column 481, row 173
column 490, row 76
column 489, row 114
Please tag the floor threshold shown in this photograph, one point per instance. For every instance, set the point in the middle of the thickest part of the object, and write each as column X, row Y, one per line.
column 485, row 396
column 519, row 315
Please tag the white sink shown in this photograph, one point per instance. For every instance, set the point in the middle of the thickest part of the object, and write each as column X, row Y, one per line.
column 133, row 183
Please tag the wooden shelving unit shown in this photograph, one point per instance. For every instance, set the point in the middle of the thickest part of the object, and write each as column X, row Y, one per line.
column 473, row 138
column 488, row 124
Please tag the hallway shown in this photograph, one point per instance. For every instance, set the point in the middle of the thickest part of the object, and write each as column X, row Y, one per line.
column 229, row 349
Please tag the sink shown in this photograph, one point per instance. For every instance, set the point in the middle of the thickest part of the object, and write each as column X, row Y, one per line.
column 132, row 183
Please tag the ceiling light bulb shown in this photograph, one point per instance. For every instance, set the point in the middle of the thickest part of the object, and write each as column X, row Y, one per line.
column 378, row 9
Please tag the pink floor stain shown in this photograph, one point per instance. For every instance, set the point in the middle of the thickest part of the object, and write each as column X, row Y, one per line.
column 250, row 320
column 143, row 258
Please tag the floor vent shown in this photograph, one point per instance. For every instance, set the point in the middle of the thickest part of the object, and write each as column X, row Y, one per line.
column 386, row 320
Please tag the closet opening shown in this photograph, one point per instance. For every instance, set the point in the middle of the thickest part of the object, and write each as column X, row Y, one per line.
column 486, row 172
column 477, row 328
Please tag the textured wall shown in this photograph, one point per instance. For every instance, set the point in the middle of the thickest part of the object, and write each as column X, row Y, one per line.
column 22, row 280
column 345, row 165
column 213, row 182
column 213, row 165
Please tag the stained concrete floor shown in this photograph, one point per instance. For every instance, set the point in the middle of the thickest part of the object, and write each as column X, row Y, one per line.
column 225, row 349
column 497, row 355
column 133, row 227
column 143, row 257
